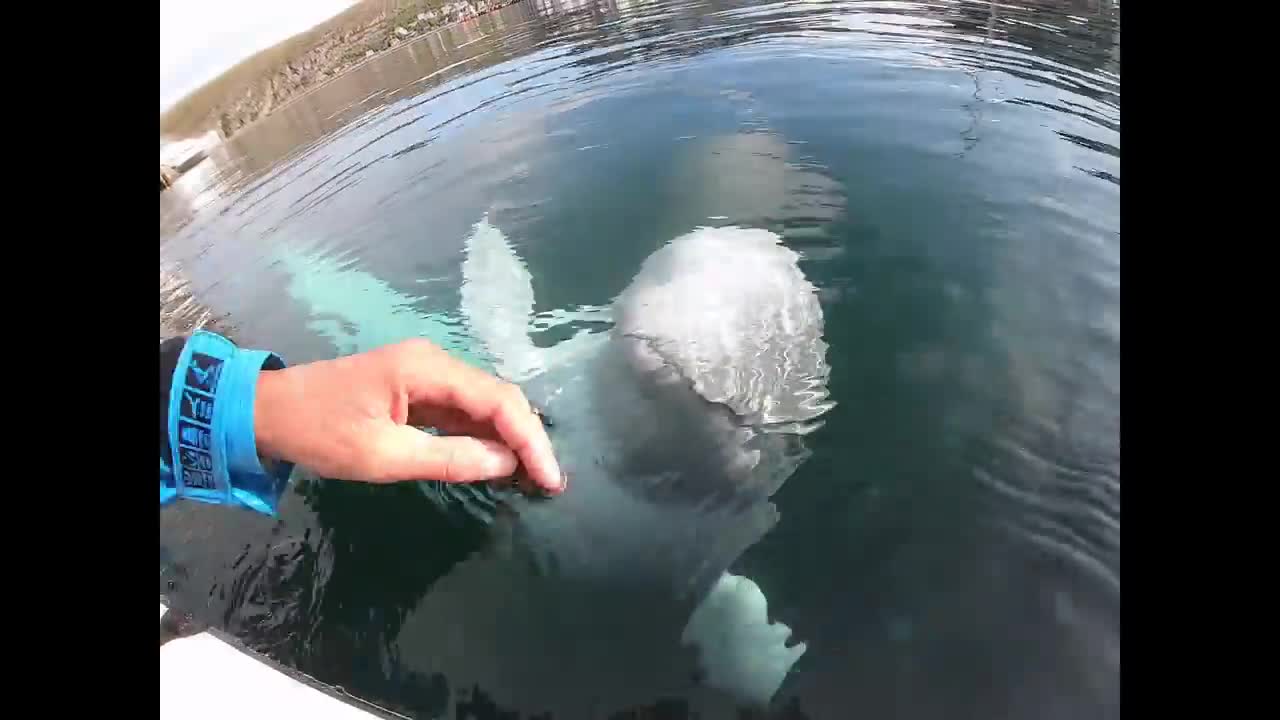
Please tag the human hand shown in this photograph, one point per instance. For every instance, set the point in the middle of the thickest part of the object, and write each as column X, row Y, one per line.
column 357, row 418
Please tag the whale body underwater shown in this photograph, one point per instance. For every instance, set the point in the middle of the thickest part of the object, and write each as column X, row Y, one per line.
column 675, row 426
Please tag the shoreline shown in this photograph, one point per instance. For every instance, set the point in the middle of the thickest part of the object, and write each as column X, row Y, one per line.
column 273, row 78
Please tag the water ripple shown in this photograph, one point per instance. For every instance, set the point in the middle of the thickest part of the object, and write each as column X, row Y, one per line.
column 946, row 173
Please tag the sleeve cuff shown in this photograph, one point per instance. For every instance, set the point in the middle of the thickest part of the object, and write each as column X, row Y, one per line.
column 211, row 429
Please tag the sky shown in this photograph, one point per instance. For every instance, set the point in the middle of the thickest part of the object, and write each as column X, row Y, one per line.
column 199, row 39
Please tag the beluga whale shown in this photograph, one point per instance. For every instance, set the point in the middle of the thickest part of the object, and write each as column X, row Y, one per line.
column 675, row 424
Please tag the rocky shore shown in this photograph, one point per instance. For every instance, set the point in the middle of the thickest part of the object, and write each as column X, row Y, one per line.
column 269, row 79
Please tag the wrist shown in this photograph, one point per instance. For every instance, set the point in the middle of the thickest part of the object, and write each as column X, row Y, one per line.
column 269, row 400
column 212, row 426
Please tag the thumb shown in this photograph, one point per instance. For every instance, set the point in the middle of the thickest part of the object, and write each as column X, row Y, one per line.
column 403, row 452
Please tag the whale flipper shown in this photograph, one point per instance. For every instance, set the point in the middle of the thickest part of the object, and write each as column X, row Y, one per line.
column 740, row 651
column 497, row 304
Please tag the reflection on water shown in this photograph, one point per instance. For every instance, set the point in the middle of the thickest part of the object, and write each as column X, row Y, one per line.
column 948, row 174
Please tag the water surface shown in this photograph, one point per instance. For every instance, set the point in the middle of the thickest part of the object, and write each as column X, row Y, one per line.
column 950, row 173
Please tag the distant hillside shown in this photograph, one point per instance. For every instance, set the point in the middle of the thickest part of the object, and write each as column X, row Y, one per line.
column 268, row 79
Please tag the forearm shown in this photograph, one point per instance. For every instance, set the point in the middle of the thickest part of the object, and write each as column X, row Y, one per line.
column 208, row 445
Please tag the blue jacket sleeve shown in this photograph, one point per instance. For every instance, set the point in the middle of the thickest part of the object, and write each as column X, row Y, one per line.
column 208, row 451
